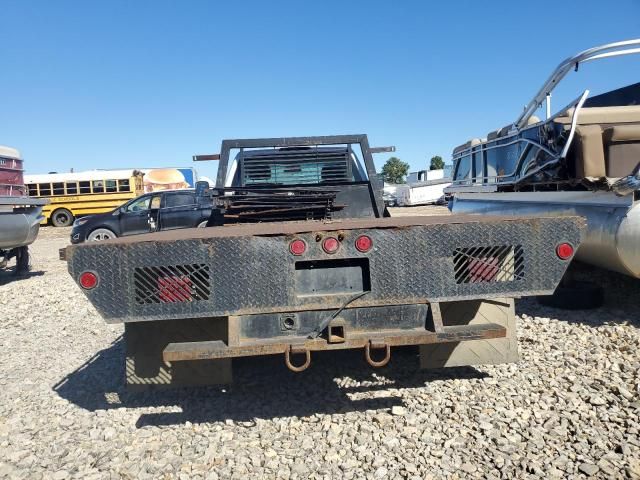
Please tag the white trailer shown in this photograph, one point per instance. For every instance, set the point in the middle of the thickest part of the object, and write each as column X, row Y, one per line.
column 422, row 193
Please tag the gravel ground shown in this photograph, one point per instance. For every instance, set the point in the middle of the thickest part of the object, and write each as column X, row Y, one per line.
column 569, row 409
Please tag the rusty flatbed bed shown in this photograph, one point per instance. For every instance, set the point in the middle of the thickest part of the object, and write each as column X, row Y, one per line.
column 291, row 228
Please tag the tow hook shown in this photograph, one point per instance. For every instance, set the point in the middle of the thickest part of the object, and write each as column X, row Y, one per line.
column 295, row 351
column 377, row 346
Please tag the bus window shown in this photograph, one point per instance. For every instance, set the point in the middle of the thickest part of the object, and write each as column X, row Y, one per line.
column 72, row 188
column 58, row 188
column 45, row 189
column 98, row 186
column 85, row 187
column 111, row 186
column 123, row 185
column 33, row 190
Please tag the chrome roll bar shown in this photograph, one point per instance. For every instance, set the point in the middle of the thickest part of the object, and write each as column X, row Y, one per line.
column 604, row 51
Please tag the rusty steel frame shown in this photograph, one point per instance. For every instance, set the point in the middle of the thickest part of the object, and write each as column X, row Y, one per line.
column 217, row 349
column 297, row 227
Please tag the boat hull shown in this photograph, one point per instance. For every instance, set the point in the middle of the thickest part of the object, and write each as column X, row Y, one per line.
column 612, row 239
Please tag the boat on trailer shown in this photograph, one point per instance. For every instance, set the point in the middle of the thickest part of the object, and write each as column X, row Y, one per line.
column 584, row 160
column 20, row 215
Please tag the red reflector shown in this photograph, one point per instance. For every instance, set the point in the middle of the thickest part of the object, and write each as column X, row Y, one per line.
column 88, row 280
column 564, row 251
column 174, row 289
column 297, row 247
column 483, row 270
column 364, row 243
column 330, row 244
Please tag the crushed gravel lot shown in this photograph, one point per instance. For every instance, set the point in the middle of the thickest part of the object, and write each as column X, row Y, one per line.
column 569, row 409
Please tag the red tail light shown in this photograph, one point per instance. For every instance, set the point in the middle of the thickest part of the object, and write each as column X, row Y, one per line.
column 88, row 280
column 564, row 251
column 330, row 245
column 364, row 243
column 297, row 247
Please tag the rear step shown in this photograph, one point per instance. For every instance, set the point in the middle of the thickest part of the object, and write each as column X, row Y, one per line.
column 211, row 350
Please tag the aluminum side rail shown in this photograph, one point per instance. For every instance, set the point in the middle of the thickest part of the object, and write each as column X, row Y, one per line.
column 604, row 51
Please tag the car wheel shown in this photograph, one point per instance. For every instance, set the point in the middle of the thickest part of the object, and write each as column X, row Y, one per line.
column 203, row 224
column 100, row 234
column 61, row 218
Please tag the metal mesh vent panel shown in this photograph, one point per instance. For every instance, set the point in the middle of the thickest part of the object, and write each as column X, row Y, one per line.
column 503, row 263
column 172, row 284
column 297, row 167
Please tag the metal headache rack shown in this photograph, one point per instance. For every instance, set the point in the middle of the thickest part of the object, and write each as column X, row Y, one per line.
column 296, row 178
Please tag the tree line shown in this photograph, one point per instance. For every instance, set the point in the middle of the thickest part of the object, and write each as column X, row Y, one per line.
column 394, row 169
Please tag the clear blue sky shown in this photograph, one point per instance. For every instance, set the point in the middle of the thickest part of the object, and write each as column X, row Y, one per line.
column 149, row 83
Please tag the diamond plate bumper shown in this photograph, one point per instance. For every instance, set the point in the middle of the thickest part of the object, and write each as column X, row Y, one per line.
column 249, row 270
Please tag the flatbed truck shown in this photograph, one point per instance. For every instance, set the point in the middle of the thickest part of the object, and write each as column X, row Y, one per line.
column 302, row 258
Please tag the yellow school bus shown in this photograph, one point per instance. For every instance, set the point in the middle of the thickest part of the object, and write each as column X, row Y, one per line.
column 83, row 193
